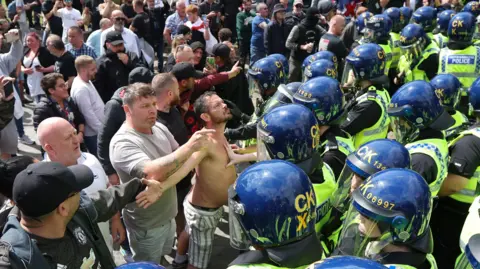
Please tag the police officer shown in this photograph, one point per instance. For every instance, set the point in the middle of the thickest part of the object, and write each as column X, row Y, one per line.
column 476, row 36
column 447, row 88
column 461, row 58
column 360, row 24
column 321, row 55
column 443, row 20
column 398, row 21
column 419, row 60
column 140, row 265
column 388, row 221
column 377, row 30
column 342, row 262
column 323, row 96
column 472, row 7
column 272, row 209
column 407, row 15
column 320, row 68
column 459, row 189
column 372, row 157
column 418, row 121
column 291, row 132
column 470, row 239
column 266, row 75
column 367, row 117
column 283, row 60
column 427, row 18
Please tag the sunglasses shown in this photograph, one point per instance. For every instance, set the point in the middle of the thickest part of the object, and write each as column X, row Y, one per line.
column 298, row 6
column 120, row 19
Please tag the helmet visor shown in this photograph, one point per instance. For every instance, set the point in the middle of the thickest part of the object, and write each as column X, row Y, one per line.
column 412, row 52
column 347, row 182
column 263, row 139
column 348, row 76
column 403, row 130
column 362, row 236
column 282, row 96
column 238, row 238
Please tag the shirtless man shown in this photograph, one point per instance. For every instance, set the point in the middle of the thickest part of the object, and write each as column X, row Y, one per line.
column 203, row 206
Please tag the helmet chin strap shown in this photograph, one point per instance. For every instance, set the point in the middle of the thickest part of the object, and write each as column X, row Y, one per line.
column 375, row 247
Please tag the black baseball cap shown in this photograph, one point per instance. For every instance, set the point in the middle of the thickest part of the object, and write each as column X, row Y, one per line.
column 197, row 45
column 185, row 70
column 221, row 50
column 115, row 38
column 140, row 74
column 43, row 186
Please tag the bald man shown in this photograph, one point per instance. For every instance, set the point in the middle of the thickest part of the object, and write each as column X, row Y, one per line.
column 59, row 140
column 129, row 37
column 331, row 40
column 184, row 55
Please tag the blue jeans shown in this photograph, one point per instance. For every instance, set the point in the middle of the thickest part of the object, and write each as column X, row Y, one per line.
column 91, row 143
column 256, row 54
column 19, row 123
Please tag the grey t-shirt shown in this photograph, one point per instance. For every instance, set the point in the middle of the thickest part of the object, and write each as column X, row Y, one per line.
column 129, row 151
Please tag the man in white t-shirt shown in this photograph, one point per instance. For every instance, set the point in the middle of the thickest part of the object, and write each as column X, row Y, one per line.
column 70, row 17
column 88, row 100
column 59, row 140
column 130, row 39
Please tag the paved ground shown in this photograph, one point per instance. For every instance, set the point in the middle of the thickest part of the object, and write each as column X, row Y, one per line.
column 222, row 254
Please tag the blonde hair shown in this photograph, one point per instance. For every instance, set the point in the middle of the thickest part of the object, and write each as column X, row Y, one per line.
column 177, row 41
column 83, row 61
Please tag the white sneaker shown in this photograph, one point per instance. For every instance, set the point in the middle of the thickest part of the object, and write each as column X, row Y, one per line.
column 25, row 140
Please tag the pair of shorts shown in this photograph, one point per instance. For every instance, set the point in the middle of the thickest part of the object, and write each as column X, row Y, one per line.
column 9, row 138
column 152, row 244
column 201, row 225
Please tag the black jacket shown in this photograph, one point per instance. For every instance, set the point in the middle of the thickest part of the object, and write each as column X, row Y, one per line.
column 19, row 250
column 114, row 118
column 47, row 109
column 275, row 37
column 113, row 74
column 236, row 90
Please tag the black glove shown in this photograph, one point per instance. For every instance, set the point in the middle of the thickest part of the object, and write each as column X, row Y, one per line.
column 236, row 112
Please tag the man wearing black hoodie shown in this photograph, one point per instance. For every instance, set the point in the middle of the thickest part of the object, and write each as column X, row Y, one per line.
column 303, row 41
column 277, row 32
column 114, row 66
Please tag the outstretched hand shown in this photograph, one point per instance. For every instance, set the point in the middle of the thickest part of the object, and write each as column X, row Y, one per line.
column 151, row 194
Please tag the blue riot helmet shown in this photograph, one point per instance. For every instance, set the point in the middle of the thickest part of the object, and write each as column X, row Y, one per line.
column 397, row 18
column 365, row 62
column 426, row 17
column 290, row 133
column 378, row 28
column 321, row 55
column 472, row 253
column 473, row 7
column 346, row 262
column 323, row 96
column 443, row 20
column 370, row 158
column 269, row 196
column 284, row 61
column 361, row 21
column 320, row 68
column 447, row 88
column 407, row 15
column 413, row 40
column 461, row 27
column 474, row 97
column 414, row 107
column 470, row 239
column 391, row 207
column 140, row 265
column 283, row 95
column 266, row 74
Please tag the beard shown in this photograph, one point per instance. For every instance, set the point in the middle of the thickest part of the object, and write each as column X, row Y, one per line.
column 223, row 118
column 118, row 26
column 176, row 101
